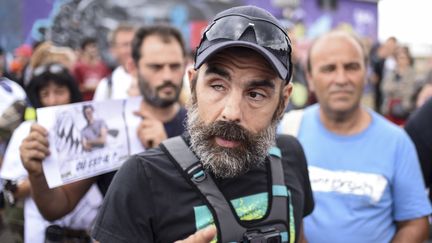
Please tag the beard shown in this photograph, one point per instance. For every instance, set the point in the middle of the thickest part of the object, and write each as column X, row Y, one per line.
column 228, row 162
column 151, row 95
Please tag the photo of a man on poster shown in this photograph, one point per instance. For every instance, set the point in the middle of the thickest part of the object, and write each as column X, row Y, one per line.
column 94, row 134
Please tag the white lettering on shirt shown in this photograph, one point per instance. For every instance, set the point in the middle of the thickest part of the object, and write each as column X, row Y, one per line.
column 348, row 182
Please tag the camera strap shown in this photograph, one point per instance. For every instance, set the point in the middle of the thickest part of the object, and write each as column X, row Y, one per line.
column 229, row 229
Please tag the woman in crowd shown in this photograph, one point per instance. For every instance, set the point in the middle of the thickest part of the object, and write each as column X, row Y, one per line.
column 47, row 52
column 50, row 85
column 399, row 87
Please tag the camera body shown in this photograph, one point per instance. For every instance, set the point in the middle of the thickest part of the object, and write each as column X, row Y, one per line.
column 263, row 235
column 58, row 234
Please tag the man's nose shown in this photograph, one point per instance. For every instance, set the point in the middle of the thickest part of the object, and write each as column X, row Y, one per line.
column 232, row 109
column 341, row 76
column 167, row 73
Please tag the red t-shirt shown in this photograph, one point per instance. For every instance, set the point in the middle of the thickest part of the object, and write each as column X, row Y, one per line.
column 87, row 74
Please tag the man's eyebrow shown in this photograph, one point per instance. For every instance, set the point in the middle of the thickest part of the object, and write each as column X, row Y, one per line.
column 218, row 71
column 327, row 66
column 262, row 83
column 352, row 64
column 154, row 65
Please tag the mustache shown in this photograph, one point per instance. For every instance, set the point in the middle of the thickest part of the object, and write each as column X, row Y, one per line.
column 229, row 131
column 342, row 88
column 167, row 84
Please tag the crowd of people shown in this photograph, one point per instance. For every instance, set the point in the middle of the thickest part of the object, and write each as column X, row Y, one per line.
column 266, row 147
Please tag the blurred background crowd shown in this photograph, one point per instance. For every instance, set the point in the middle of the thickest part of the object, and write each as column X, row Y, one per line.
column 91, row 39
column 76, row 32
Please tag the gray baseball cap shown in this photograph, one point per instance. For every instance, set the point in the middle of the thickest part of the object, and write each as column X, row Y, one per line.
column 250, row 27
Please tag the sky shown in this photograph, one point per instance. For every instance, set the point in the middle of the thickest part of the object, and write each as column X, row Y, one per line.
column 407, row 20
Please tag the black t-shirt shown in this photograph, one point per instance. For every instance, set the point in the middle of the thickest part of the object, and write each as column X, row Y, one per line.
column 175, row 127
column 419, row 127
column 150, row 200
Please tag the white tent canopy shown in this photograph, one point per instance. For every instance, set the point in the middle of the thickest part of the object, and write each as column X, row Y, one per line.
column 409, row 21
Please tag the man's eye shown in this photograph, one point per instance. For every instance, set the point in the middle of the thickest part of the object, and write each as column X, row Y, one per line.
column 218, row 87
column 155, row 67
column 175, row 67
column 352, row 67
column 256, row 96
column 327, row 69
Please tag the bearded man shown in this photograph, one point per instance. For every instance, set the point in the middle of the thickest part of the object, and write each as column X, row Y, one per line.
column 240, row 88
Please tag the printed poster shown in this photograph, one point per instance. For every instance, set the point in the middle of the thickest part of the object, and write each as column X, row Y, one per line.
column 88, row 138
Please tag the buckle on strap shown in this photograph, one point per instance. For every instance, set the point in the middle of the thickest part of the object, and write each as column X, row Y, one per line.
column 270, row 234
column 275, row 151
column 196, row 173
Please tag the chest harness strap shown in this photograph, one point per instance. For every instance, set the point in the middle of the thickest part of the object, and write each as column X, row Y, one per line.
column 273, row 227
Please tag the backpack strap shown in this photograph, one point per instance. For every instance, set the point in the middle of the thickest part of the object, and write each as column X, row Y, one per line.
column 230, row 228
column 279, row 189
column 228, row 224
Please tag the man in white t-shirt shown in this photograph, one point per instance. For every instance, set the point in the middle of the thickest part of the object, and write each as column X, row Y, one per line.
column 118, row 84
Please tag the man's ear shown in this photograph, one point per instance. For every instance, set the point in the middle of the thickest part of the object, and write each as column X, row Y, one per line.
column 310, row 81
column 191, row 74
column 286, row 93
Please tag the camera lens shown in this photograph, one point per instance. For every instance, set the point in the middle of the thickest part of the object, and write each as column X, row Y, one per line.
column 274, row 239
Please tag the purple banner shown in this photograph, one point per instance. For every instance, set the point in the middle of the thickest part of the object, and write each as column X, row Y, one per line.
column 361, row 16
column 67, row 21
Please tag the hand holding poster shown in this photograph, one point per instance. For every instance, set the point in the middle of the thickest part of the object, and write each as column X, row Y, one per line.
column 89, row 138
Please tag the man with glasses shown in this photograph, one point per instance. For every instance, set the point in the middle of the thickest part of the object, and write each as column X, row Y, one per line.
column 220, row 171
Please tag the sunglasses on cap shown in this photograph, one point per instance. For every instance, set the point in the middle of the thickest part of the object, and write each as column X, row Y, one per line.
column 51, row 68
column 267, row 34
